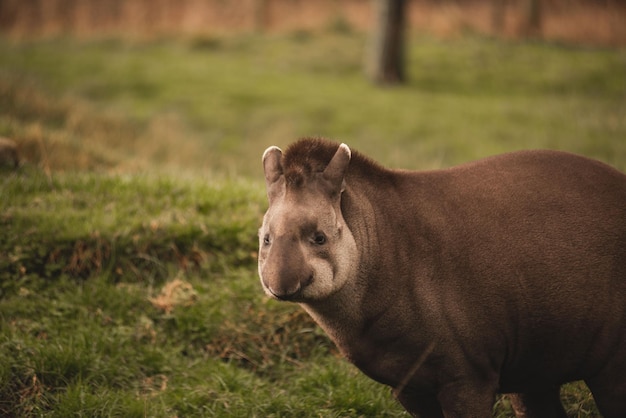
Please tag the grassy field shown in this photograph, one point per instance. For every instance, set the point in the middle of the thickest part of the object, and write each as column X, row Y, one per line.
column 210, row 104
column 128, row 238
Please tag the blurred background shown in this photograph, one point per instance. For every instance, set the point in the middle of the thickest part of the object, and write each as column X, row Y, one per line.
column 208, row 84
column 599, row 22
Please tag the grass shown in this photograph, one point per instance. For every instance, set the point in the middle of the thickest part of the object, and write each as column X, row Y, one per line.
column 128, row 238
column 223, row 101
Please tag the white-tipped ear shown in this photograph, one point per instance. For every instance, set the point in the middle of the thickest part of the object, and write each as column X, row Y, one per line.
column 335, row 172
column 271, row 164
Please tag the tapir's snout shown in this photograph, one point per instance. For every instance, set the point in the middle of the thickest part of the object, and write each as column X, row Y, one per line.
column 286, row 288
column 285, row 273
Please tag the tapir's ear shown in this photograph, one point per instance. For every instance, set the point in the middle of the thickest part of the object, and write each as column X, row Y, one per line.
column 271, row 164
column 335, row 172
column 273, row 169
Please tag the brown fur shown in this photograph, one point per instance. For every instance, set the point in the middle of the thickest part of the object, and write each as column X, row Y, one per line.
column 502, row 275
column 311, row 155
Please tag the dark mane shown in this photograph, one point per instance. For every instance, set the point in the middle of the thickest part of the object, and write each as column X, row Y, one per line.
column 308, row 156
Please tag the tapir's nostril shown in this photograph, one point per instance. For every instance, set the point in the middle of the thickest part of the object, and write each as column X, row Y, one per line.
column 308, row 281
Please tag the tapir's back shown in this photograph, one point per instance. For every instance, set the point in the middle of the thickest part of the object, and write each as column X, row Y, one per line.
column 532, row 201
column 536, row 211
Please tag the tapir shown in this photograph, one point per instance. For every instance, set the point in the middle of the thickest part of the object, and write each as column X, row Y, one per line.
column 504, row 275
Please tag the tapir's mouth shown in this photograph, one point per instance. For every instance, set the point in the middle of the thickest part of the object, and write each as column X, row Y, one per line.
column 290, row 295
column 285, row 297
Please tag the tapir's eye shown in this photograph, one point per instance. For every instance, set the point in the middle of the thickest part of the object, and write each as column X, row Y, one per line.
column 319, row 238
column 266, row 239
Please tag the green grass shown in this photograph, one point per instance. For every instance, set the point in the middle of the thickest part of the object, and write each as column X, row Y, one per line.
column 223, row 101
column 128, row 281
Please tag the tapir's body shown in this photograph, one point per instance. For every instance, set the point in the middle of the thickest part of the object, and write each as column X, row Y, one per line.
column 507, row 275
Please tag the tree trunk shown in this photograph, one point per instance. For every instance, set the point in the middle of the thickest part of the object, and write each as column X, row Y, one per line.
column 260, row 15
column 498, row 15
column 385, row 62
column 533, row 18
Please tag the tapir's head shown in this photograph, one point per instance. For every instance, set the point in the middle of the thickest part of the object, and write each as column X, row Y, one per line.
column 306, row 250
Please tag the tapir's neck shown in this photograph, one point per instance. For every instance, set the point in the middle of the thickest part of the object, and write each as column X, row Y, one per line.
column 342, row 318
column 389, row 228
column 366, row 304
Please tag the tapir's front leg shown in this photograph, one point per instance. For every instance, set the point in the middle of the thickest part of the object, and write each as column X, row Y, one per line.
column 457, row 400
column 467, row 399
column 538, row 404
column 420, row 405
